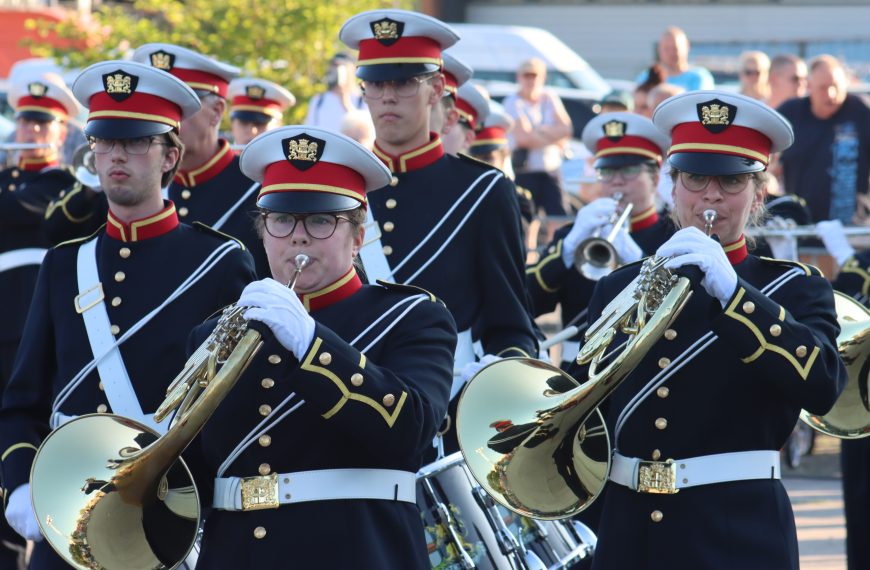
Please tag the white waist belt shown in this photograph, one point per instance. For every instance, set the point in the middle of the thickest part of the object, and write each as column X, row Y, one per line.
column 21, row 257
column 670, row 477
column 271, row 491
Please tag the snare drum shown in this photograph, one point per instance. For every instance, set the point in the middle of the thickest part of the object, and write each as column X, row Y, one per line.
column 559, row 544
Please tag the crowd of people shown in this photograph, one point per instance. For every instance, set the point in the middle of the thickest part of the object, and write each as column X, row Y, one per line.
column 379, row 251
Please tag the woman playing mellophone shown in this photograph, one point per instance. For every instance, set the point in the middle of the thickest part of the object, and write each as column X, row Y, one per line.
column 697, row 426
column 313, row 457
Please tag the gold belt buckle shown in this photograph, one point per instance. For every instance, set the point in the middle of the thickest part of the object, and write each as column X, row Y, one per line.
column 99, row 296
column 657, row 477
column 260, row 492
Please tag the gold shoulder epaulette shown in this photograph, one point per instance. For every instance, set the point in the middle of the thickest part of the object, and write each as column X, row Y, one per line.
column 81, row 239
column 805, row 267
column 409, row 289
column 210, row 230
column 476, row 161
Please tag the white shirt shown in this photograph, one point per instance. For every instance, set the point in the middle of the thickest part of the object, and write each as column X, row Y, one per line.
column 325, row 110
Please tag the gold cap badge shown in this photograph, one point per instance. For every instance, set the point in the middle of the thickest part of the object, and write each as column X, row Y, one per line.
column 37, row 89
column 120, row 85
column 387, row 31
column 162, row 60
column 255, row 92
column 716, row 115
column 303, row 151
column 614, row 130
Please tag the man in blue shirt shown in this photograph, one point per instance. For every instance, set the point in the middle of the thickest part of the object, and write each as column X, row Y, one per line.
column 673, row 54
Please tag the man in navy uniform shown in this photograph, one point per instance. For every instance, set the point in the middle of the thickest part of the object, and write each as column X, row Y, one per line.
column 256, row 105
column 364, row 371
column 450, row 225
column 43, row 104
column 628, row 151
column 111, row 313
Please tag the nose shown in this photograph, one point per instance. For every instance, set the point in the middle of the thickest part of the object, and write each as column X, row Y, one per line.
column 118, row 154
column 299, row 236
column 713, row 192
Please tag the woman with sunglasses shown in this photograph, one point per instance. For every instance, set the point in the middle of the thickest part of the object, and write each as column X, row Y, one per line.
column 697, row 426
column 334, row 414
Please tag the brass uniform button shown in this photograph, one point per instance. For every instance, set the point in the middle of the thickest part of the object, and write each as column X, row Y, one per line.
column 388, row 250
column 656, row 454
column 265, row 410
column 264, row 469
column 748, row 307
column 391, row 203
column 775, row 330
column 185, row 194
column 274, row 359
column 102, row 409
column 389, row 400
column 120, row 276
column 670, row 334
column 664, row 362
column 12, row 187
column 661, row 423
column 62, row 193
column 183, row 212
column 325, row 358
column 801, row 351
column 101, row 387
column 15, row 174
column 656, row 516
column 260, row 532
column 663, row 391
column 394, row 181
column 264, row 440
column 115, row 329
column 267, row 383
column 389, row 226
column 124, row 252
column 357, row 379
column 116, row 301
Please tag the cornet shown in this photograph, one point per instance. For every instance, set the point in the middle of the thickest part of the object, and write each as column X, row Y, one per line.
column 595, row 256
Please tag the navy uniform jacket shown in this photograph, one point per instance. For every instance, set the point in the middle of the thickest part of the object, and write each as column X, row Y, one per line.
column 773, row 354
column 76, row 212
column 854, row 280
column 550, row 283
column 136, row 276
column 379, row 408
column 479, row 274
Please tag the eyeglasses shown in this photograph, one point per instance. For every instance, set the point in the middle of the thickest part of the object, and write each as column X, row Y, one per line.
column 317, row 226
column 627, row 172
column 529, row 75
column 407, row 87
column 798, row 78
column 139, row 145
column 729, row 183
column 750, row 72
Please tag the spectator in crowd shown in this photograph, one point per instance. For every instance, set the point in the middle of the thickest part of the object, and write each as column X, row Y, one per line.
column 673, row 55
column 542, row 127
column 342, row 95
column 829, row 163
column 665, row 187
column 788, row 79
column 754, row 74
column 358, row 125
column 655, row 75
column 617, row 101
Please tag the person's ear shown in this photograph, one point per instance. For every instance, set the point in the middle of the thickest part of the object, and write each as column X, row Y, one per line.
column 437, row 83
column 170, row 158
column 219, row 106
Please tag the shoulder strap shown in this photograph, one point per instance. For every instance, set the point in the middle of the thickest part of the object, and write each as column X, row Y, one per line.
column 371, row 254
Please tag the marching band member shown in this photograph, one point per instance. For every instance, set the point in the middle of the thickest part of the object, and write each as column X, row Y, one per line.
column 444, row 118
column 108, row 324
column 472, row 104
column 854, row 280
column 327, row 428
column 43, row 104
column 697, row 426
column 256, row 105
column 628, row 152
column 448, row 224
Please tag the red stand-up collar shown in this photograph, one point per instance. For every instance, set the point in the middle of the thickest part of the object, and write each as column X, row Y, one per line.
column 736, row 251
column 37, row 164
column 346, row 286
column 645, row 219
column 209, row 170
column 413, row 159
column 152, row 226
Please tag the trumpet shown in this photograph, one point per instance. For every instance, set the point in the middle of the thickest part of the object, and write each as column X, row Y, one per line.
column 16, row 147
column 595, row 256
column 84, row 167
column 111, row 494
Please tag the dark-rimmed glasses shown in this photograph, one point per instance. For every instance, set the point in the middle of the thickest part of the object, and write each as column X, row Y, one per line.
column 406, row 87
column 729, row 183
column 627, row 172
column 140, row 145
column 317, row 226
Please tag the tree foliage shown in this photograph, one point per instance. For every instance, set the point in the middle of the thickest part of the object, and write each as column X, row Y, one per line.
column 285, row 41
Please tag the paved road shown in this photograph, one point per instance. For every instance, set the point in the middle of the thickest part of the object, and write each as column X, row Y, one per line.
column 818, row 510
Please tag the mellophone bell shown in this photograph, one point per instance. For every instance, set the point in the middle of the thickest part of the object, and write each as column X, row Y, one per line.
column 695, row 368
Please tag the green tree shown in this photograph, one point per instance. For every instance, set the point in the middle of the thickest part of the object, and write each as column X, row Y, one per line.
column 285, row 41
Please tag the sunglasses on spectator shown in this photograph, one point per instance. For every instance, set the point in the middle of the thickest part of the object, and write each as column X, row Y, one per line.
column 750, row 72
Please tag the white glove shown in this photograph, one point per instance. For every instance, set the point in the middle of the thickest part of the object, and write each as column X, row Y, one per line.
column 473, row 368
column 590, row 217
column 781, row 247
column 281, row 310
column 835, row 241
column 19, row 513
column 626, row 248
column 690, row 246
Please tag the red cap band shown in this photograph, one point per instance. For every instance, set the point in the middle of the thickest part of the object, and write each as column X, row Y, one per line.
column 490, row 135
column 138, row 107
column 467, row 112
column 629, row 144
column 265, row 106
column 43, row 105
column 322, row 177
column 203, row 81
column 403, row 50
column 735, row 140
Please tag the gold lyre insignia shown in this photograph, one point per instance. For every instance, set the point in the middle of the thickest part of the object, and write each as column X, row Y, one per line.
column 162, row 60
column 255, row 92
column 118, row 84
column 614, row 129
column 714, row 114
column 302, row 149
column 37, row 89
column 386, row 30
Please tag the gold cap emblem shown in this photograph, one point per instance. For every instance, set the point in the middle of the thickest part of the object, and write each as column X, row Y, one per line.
column 387, row 31
column 615, row 129
column 120, row 85
column 162, row 60
column 255, row 92
column 716, row 115
column 303, row 151
column 37, row 89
